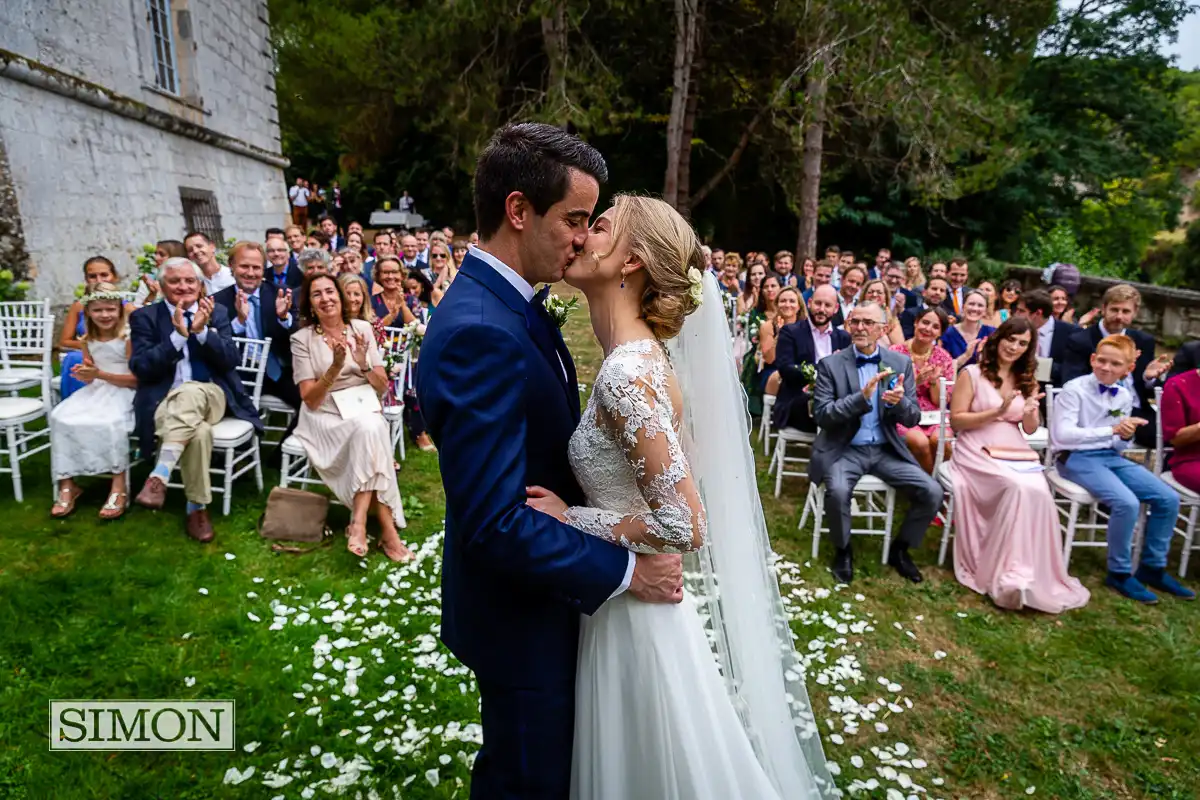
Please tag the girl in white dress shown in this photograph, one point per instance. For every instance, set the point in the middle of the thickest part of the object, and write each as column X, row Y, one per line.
column 658, row 713
column 89, row 431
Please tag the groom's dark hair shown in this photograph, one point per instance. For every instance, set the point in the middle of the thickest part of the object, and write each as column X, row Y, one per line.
column 534, row 159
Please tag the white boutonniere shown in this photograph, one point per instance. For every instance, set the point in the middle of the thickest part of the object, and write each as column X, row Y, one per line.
column 560, row 309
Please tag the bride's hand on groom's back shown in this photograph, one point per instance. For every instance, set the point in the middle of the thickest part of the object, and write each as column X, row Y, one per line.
column 546, row 501
column 657, row 579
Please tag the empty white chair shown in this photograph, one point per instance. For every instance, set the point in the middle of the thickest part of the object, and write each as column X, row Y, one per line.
column 269, row 406
column 24, row 340
column 20, row 369
column 235, row 442
column 1189, row 501
column 780, row 459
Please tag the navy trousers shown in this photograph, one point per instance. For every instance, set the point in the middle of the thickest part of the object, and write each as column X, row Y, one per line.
column 527, row 741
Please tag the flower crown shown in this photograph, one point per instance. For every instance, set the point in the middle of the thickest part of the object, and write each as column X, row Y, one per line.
column 109, row 295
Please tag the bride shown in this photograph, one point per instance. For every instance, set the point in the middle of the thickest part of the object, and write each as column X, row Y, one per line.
column 703, row 700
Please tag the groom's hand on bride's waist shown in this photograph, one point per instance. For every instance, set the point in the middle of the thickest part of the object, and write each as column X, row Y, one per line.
column 657, row 579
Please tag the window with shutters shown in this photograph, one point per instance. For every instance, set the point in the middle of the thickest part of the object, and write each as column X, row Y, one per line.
column 200, row 213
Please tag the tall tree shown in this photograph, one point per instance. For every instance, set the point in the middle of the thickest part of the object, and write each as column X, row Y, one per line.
column 684, row 101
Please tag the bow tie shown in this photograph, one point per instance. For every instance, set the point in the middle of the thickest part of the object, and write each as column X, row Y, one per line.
column 539, row 299
column 860, row 361
column 1111, row 390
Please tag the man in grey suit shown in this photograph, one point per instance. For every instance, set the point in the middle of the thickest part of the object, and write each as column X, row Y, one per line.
column 861, row 394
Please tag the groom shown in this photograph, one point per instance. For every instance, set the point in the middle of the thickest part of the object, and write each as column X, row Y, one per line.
column 498, row 391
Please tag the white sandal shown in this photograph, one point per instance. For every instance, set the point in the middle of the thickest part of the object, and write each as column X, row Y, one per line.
column 117, row 501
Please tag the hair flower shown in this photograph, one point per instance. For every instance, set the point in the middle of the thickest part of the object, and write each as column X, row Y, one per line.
column 695, row 286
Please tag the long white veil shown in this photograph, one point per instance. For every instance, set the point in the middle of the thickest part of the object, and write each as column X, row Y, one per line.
column 739, row 592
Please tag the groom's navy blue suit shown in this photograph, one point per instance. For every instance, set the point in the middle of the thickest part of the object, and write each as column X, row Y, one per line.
column 498, row 392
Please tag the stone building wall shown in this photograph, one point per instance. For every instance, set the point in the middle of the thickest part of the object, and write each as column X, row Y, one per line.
column 97, row 154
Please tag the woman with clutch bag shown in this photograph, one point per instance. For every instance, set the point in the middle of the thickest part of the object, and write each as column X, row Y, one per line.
column 339, row 371
column 1007, row 543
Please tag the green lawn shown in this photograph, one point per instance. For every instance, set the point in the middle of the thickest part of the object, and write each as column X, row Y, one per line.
column 969, row 702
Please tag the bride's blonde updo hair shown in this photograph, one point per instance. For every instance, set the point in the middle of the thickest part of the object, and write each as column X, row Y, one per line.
column 667, row 247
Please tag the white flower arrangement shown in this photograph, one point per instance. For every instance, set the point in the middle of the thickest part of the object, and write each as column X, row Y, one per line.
column 695, row 286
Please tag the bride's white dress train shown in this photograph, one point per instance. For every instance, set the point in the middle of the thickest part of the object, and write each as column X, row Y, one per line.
column 654, row 715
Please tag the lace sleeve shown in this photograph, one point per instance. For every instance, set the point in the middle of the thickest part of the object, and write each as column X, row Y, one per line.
column 637, row 413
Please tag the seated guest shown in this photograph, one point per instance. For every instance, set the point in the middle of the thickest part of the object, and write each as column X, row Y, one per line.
column 862, row 393
column 804, row 280
column 1118, row 308
column 1181, row 416
column 185, row 361
column 1093, row 422
column 771, row 319
column 784, row 268
column 282, row 273
column 96, row 270
column 148, row 290
column 390, row 301
column 995, row 315
column 728, row 282
column 332, row 353
column 317, row 240
column 805, row 341
column 1007, row 545
column 748, row 298
column 853, row 278
column 932, row 297
column 261, row 310
column 914, row 276
column 1052, row 334
column 964, row 340
column 931, row 363
column 1010, row 294
column 418, row 294
column 1063, row 310
column 900, row 297
column 203, row 253
column 442, row 268
column 938, row 270
column 876, row 291
column 295, row 239
column 822, row 276
column 313, row 260
column 89, row 431
column 459, row 252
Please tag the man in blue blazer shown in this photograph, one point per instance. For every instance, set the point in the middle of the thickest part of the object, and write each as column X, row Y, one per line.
column 805, row 341
column 498, row 391
column 186, row 364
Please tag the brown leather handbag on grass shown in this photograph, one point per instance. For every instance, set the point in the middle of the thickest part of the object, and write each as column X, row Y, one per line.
column 295, row 515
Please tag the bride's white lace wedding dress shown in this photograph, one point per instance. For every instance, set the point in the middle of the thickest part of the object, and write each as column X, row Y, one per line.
column 654, row 716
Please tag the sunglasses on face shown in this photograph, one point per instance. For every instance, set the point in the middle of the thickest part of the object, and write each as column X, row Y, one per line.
column 442, row 256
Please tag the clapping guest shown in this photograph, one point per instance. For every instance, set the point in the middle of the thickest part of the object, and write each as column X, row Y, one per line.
column 390, row 301
column 748, row 297
column 1007, row 544
column 1093, row 422
column 1063, row 310
column 442, row 268
column 729, row 283
column 775, row 317
column 862, row 393
column 261, row 310
column 186, row 362
column 784, row 264
column 807, row 269
column 966, row 339
column 931, row 363
column 418, row 294
column 332, row 354
column 96, row 270
column 89, row 431
column 1181, row 416
column 932, row 297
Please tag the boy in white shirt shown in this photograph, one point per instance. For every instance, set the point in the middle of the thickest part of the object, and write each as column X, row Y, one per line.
column 1093, row 422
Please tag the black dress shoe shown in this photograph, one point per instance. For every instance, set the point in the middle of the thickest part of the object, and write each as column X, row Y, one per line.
column 900, row 560
column 843, row 565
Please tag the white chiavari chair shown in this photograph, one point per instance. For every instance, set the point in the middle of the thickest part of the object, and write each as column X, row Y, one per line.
column 24, row 340
column 941, row 467
column 764, row 427
column 22, row 370
column 397, row 344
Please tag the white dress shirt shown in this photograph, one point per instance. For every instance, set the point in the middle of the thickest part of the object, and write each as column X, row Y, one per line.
column 822, row 340
column 1045, row 338
column 220, row 279
column 847, row 305
column 183, row 369
column 521, row 285
column 1084, row 416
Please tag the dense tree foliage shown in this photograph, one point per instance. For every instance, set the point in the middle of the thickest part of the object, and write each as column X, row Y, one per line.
column 914, row 124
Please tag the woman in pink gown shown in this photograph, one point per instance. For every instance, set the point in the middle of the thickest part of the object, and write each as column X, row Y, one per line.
column 1007, row 543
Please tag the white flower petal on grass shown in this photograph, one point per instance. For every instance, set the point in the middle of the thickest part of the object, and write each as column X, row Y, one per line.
column 230, row 556
column 939, row 654
column 251, row 747
column 202, row 590
column 232, row 776
column 253, row 617
column 187, row 635
column 1030, row 789
column 189, row 681
column 433, row 777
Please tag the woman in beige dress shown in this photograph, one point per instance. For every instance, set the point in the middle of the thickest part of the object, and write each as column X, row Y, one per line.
column 332, row 353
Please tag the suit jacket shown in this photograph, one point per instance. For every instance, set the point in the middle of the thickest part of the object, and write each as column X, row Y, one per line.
column 155, row 357
column 494, row 396
column 839, row 405
column 948, row 303
column 908, row 317
column 795, row 347
column 292, row 279
column 1077, row 361
column 270, row 326
column 1186, row 359
column 1063, row 332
